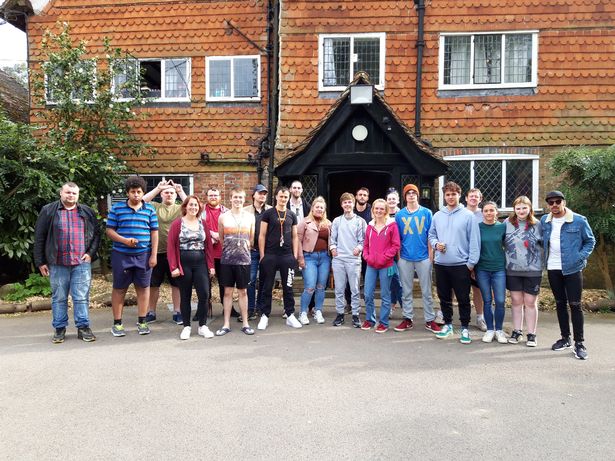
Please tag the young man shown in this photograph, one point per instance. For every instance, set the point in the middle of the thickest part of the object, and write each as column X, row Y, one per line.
column 296, row 204
column 413, row 223
column 278, row 245
column 568, row 242
column 346, row 245
column 473, row 198
column 236, row 230
column 167, row 211
column 362, row 207
column 258, row 207
column 133, row 227
column 66, row 239
column 455, row 237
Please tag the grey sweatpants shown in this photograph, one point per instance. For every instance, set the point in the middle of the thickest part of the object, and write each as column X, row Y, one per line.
column 347, row 272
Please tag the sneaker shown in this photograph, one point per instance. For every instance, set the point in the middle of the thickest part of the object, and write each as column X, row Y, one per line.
column 292, row 321
column 531, row 340
column 177, row 318
column 367, row 325
column 381, row 328
column 118, row 330
column 348, row 309
column 488, row 336
column 143, row 329
column 356, row 322
column 251, row 315
column 284, row 316
column 185, row 334
column 318, row 317
column 439, row 318
column 205, row 332
column 481, row 324
column 464, row 337
column 303, row 318
column 86, row 334
column 432, row 326
column 58, row 336
column 263, row 323
column 445, row 332
column 339, row 320
column 150, row 317
column 515, row 337
column 579, row 351
column 561, row 344
column 500, row 337
column 406, row 324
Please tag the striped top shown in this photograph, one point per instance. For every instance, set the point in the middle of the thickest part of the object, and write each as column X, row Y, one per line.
column 131, row 223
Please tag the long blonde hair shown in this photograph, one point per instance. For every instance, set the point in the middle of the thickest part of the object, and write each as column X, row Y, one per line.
column 383, row 202
column 531, row 219
column 310, row 215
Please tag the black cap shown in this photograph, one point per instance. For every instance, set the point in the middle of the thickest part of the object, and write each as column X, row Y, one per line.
column 554, row 194
column 259, row 188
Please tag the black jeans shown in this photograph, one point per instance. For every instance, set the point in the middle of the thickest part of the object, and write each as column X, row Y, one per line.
column 197, row 275
column 269, row 265
column 567, row 291
column 457, row 279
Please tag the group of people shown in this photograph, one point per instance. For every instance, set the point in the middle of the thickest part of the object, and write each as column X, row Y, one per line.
column 467, row 248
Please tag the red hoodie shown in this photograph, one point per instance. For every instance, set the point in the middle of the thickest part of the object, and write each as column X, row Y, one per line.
column 379, row 249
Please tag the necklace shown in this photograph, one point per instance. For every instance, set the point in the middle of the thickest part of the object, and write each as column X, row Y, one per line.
column 281, row 219
column 238, row 225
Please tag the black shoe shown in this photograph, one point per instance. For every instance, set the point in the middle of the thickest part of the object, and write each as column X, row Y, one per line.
column 58, row 336
column 515, row 337
column 356, row 322
column 194, row 319
column 339, row 320
column 579, row 351
column 348, row 309
column 86, row 334
column 561, row 344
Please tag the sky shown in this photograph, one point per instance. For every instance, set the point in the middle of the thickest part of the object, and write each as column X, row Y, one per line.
column 13, row 47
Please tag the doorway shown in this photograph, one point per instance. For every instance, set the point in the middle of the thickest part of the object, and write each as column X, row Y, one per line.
column 350, row 181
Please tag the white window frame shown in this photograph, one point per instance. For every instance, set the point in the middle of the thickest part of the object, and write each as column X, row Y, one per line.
column 482, row 157
column 75, row 100
column 470, row 86
column 232, row 75
column 321, row 67
column 163, row 97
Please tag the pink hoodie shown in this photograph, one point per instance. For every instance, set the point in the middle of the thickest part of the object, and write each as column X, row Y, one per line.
column 379, row 249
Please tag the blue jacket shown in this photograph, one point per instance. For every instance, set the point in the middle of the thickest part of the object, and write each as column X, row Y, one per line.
column 576, row 241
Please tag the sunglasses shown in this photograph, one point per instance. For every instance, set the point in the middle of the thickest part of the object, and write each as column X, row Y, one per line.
column 554, row 202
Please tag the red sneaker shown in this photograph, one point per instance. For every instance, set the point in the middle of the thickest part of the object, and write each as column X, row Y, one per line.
column 432, row 326
column 381, row 328
column 367, row 325
column 406, row 324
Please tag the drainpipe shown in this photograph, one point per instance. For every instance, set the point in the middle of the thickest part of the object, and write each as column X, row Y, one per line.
column 273, row 47
column 420, row 45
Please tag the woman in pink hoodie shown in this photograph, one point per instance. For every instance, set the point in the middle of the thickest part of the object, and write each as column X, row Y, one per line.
column 379, row 249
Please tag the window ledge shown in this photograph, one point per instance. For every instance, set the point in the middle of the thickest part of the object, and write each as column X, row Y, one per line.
column 487, row 92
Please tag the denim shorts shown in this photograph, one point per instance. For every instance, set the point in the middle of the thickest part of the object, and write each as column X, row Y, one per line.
column 129, row 269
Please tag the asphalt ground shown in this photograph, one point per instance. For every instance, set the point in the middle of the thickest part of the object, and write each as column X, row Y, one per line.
column 321, row 392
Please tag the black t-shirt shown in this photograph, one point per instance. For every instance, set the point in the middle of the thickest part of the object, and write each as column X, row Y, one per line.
column 365, row 214
column 279, row 221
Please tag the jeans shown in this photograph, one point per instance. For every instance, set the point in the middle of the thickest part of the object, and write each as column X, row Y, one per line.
column 457, row 279
column 347, row 272
column 567, row 290
column 76, row 281
column 315, row 275
column 255, row 257
column 371, row 275
column 396, row 293
column 195, row 274
column 406, row 276
column 493, row 282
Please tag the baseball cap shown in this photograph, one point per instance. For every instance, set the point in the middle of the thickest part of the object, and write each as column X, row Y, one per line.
column 554, row 194
column 259, row 188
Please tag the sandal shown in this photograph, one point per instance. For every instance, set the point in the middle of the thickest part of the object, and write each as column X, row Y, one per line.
column 222, row 331
column 247, row 330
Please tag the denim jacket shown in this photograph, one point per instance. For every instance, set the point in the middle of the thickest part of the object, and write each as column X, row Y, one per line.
column 576, row 241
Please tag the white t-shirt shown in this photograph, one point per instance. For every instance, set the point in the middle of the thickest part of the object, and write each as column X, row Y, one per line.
column 555, row 253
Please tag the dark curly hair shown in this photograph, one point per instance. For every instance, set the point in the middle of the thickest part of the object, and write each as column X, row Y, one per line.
column 135, row 182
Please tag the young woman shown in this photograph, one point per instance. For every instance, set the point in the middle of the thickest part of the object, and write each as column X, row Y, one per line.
column 314, row 259
column 491, row 272
column 190, row 255
column 523, row 247
column 392, row 199
column 379, row 250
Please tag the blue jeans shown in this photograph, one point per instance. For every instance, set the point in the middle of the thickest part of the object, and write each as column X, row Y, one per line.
column 315, row 276
column 371, row 275
column 255, row 259
column 76, row 281
column 493, row 282
column 396, row 290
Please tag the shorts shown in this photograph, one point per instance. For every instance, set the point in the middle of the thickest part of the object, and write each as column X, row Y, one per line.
column 160, row 271
column 129, row 269
column 232, row 275
column 529, row 285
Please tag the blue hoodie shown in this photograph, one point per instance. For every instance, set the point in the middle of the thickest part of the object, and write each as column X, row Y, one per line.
column 458, row 229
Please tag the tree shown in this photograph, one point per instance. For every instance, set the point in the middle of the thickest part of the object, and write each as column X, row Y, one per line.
column 588, row 176
column 19, row 72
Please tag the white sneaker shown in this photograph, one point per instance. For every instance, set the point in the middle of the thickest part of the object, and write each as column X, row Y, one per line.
column 318, row 317
column 488, row 336
column 500, row 336
column 439, row 318
column 185, row 334
column 206, row 332
column 303, row 318
column 263, row 323
column 481, row 324
column 292, row 321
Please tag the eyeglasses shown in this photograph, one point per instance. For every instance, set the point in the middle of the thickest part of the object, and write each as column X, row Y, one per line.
column 554, row 202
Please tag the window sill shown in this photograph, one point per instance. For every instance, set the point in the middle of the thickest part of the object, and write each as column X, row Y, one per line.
column 487, row 92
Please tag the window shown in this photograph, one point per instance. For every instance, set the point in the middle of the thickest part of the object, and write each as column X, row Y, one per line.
column 152, row 181
column 500, row 179
column 81, row 77
column 342, row 56
column 486, row 60
column 160, row 79
column 233, row 78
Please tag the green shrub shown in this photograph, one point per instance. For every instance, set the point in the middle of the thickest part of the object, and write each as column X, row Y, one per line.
column 35, row 285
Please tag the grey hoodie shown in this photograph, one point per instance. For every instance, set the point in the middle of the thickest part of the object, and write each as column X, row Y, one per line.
column 459, row 230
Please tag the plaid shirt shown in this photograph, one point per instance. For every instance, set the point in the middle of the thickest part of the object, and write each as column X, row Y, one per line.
column 71, row 237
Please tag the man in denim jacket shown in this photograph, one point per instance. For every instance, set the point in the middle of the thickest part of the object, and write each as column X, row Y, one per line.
column 568, row 242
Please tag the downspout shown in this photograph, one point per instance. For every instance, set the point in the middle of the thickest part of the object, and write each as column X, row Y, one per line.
column 420, row 45
column 273, row 70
